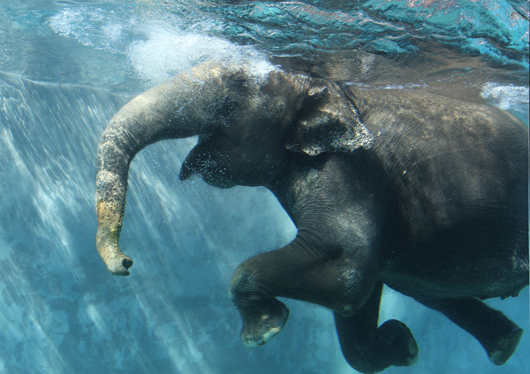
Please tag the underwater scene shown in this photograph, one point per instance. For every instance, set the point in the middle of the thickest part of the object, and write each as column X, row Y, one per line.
column 67, row 67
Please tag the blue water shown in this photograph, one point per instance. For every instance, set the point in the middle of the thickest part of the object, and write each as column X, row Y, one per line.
column 67, row 66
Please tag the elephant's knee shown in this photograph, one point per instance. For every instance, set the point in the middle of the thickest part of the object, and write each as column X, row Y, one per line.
column 245, row 286
column 236, row 284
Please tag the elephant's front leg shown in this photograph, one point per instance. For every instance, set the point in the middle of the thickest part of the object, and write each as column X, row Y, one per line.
column 297, row 271
column 333, row 261
column 370, row 348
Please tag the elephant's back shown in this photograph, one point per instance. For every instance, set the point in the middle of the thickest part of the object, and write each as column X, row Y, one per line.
column 458, row 177
column 446, row 160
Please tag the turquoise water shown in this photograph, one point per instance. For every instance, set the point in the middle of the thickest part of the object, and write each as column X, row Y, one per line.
column 67, row 66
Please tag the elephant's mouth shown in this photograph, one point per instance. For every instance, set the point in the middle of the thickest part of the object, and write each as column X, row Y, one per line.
column 209, row 164
column 223, row 164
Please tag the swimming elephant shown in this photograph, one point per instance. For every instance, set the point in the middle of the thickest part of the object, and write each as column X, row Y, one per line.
column 423, row 193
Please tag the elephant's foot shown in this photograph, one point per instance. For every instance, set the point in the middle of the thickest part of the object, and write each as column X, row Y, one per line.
column 262, row 314
column 505, row 347
column 370, row 349
column 497, row 333
column 261, row 324
column 402, row 347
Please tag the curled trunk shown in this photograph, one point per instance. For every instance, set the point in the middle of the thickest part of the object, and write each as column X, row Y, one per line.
column 185, row 106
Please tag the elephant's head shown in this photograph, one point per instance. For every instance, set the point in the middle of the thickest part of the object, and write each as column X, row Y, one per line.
column 246, row 122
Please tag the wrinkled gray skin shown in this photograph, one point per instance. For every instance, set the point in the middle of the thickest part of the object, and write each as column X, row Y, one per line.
column 423, row 193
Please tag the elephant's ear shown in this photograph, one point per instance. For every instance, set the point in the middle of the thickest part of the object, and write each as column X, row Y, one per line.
column 328, row 121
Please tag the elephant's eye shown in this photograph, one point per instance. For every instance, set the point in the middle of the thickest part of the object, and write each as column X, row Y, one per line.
column 292, row 147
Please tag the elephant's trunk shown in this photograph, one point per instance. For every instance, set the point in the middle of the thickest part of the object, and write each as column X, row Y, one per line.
column 185, row 106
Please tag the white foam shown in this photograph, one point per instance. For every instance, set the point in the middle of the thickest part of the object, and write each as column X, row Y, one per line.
column 157, row 46
column 506, row 97
column 167, row 52
column 73, row 22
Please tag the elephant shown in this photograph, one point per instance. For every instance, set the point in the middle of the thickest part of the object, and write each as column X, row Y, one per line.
column 399, row 187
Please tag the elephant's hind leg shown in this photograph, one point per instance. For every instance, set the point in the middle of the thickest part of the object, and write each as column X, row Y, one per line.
column 498, row 335
column 371, row 349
